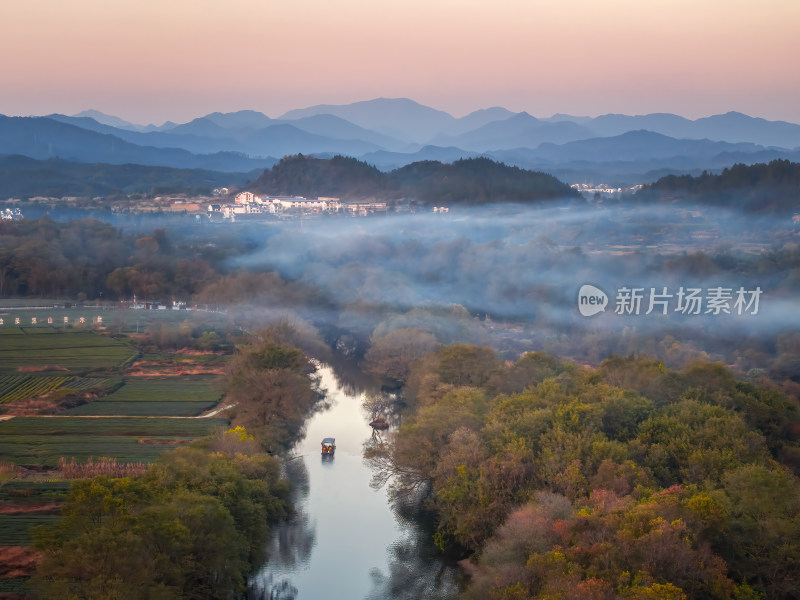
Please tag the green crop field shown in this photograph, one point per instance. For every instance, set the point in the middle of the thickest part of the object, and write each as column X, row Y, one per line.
column 19, row 388
column 8, row 383
column 16, row 529
column 14, row 585
column 192, row 358
column 61, row 350
column 24, row 494
column 83, row 383
column 140, row 418
column 170, row 389
column 107, row 426
column 27, row 491
column 46, row 450
column 171, row 396
column 136, row 409
column 43, row 440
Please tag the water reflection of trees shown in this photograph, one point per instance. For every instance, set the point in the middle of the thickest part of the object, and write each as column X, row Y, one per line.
column 291, row 544
column 415, row 571
column 351, row 379
column 283, row 590
column 406, row 484
column 382, row 405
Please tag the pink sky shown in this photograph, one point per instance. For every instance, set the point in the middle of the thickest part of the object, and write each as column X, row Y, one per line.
column 157, row 60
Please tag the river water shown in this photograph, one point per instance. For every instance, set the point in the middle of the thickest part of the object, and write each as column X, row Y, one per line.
column 346, row 542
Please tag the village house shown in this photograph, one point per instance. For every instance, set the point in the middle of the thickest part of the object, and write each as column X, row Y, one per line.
column 248, row 203
column 362, row 209
column 304, row 204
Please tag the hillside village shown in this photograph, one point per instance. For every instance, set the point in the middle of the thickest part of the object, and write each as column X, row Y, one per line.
column 10, row 214
column 250, row 205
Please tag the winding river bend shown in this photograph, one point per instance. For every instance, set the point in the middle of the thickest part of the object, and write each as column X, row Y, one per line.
column 346, row 542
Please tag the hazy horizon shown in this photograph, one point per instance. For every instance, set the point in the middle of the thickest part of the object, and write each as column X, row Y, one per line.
column 160, row 122
column 150, row 62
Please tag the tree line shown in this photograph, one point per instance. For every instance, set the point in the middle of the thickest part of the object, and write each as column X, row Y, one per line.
column 90, row 259
column 629, row 480
column 765, row 188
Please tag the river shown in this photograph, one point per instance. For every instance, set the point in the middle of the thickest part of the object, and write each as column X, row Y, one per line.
column 346, row 541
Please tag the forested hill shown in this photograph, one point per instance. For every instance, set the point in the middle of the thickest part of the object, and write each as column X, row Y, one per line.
column 24, row 177
column 477, row 181
column 468, row 181
column 773, row 187
column 301, row 175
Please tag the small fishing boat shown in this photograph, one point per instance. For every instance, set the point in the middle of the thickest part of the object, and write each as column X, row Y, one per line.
column 328, row 445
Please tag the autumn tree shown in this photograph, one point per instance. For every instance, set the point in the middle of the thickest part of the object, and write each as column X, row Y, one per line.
column 393, row 353
column 268, row 382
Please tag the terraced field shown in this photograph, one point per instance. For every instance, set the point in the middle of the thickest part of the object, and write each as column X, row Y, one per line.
column 19, row 387
column 44, row 369
column 83, row 383
column 32, row 441
column 170, row 396
column 134, row 409
column 52, row 350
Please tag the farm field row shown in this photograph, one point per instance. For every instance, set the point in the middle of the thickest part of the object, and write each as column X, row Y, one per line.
column 27, row 502
column 16, row 529
column 170, row 389
column 41, row 441
column 144, row 408
column 70, row 351
column 106, row 426
column 31, row 491
column 19, row 387
column 170, row 396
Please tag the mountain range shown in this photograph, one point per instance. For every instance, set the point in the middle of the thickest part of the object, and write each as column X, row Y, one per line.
column 391, row 133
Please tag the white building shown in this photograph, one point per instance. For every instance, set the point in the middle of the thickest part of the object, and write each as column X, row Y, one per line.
column 303, row 204
column 248, row 203
column 362, row 209
column 246, row 198
column 10, row 213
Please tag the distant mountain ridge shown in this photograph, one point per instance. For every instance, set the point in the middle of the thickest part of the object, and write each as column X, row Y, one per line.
column 42, row 138
column 632, row 145
column 518, row 131
column 415, row 123
column 400, row 118
column 392, row 132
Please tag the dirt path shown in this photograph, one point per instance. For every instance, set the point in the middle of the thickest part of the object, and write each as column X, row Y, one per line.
column 216, row 411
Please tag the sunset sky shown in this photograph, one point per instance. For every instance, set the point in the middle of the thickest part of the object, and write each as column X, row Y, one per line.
column 157, row 60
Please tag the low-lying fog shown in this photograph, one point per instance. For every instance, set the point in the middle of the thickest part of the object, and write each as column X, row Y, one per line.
column 703, row 276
